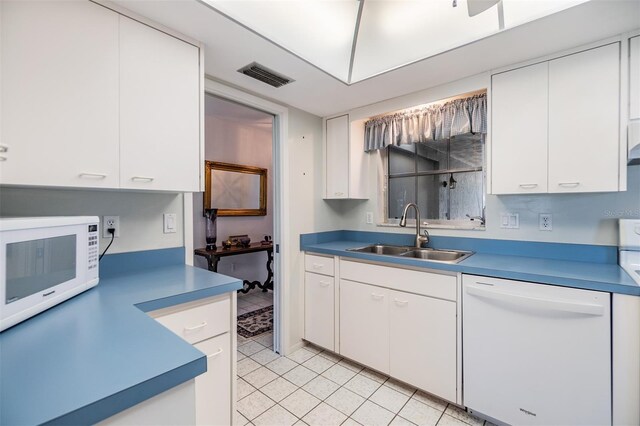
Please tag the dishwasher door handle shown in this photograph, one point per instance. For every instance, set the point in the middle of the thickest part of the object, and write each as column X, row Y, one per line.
column 536, row 302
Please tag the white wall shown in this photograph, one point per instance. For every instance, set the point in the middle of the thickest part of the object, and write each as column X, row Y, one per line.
column 141, row 226
column 577, row 218
column 309, row 213
column 246, row 142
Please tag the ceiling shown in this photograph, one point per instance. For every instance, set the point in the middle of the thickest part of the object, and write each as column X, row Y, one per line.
column 357, row 39
column 229, row 46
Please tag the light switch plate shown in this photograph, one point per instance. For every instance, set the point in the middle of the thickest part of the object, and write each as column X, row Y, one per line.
column 369, row 217
column 509, row 220
column 170, row 225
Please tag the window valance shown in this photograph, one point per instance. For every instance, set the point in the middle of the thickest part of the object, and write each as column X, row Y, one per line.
column 457, row 117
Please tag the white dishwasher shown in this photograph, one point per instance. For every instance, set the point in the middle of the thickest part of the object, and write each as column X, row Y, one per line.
column 536, row 354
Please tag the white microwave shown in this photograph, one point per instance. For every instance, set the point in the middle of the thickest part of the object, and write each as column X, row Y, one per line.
column 45, row 261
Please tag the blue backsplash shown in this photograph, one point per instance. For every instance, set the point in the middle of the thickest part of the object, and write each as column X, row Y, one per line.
column 558, row 251
column 113, row 265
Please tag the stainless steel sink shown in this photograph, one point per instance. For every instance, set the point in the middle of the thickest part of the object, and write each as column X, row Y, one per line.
column 382, row 249
column 448, row 256
column 434, row 255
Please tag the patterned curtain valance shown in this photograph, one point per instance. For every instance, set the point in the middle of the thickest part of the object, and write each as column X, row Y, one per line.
column 457, row 117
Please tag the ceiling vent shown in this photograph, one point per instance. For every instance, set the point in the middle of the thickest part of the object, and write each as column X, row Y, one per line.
column 265, row 75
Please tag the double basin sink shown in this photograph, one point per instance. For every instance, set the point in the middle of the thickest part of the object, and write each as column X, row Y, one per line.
column 434, row 255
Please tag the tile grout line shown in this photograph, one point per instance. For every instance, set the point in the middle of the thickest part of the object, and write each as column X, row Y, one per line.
column 340, row 386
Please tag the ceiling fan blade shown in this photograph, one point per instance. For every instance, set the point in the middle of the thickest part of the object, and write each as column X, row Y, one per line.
column 475, row 7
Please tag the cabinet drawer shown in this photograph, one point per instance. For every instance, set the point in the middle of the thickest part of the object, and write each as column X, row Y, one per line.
column 199, row 322
column 318, row 264
column 424, row 283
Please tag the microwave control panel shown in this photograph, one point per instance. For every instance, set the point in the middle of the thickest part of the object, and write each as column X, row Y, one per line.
column 92, row 257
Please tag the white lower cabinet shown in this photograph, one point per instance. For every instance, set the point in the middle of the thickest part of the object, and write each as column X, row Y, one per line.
column 411, row 337
column 208, row 324
column 319, row 312
column 213, row 396
column 422, row 342
column 364, row 324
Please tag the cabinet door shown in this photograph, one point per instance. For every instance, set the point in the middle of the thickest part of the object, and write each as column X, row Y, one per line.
column 59, row 94
column 319, row 313
column 422, row 342
column 364, row 324
column 213, row 388
column 159, row 110
column 337, row 157
column 519, row 130
column 634, row 78
column 584, row 120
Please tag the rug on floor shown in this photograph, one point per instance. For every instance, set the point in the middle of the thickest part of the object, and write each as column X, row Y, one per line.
column 256, row 322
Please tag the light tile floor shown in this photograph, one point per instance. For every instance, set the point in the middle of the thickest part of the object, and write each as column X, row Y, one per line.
column 315, row 387
column 254, row 300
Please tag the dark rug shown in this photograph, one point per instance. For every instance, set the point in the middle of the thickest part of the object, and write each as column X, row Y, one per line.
column 255, row 322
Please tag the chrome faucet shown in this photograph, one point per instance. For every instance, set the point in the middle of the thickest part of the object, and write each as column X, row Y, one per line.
column 421, row 240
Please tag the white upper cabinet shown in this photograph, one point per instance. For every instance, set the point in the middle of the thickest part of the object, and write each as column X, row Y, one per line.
column 634, row 78
column 91, row 98
column 556, row 125
column 346, row 164
column 519, row 130
column 59, row 94
column 584, row 121
column 337, row 149
column 159, row 110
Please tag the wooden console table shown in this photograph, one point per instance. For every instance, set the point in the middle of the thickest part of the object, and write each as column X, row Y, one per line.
column 213, row 257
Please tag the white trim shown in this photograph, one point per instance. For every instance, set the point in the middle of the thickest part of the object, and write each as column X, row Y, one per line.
column 281, row 234
column 187, row 220
column 623, row 113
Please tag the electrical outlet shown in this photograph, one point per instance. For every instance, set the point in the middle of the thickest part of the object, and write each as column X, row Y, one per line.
column 369, row 217
column 544, row 222
column 110, row 222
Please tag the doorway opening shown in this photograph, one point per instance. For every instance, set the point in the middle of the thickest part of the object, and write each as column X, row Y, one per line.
column 241, row 175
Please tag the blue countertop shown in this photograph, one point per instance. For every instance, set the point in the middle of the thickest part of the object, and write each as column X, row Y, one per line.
column 549, row 263
column 99, row 352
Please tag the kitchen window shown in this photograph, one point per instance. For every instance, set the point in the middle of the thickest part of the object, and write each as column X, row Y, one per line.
column 445, row 178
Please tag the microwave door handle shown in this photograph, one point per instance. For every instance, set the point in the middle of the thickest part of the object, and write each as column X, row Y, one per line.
column 536, row 302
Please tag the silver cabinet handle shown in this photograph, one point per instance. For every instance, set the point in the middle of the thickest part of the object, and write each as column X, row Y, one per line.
column 324, row 283
column 215, row 354
column 142, row 179
column 93, row 175
column 4, row 148
column 569, row 184
column 377, row 296
column 528, row 185
column 318, row 266
column 338, row 193
column 401, row 302
column 196, row 327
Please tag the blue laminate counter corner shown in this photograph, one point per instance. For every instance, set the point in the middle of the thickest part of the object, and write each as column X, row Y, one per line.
column 99, row 353
column 571, row 265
